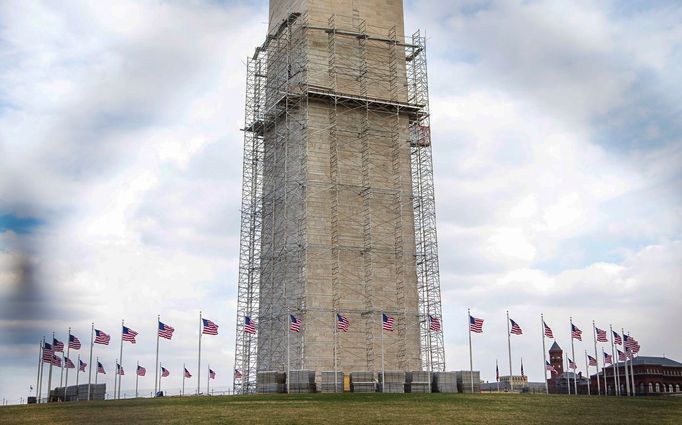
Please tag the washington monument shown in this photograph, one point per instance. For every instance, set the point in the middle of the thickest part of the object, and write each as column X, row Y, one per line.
column 338, row 218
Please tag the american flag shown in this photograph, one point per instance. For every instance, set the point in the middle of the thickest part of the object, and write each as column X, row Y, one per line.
column 166, row 331
column 100, row 368
column 141, row 371
column 68, row 363
column 475, row 324
column 187, row 374
column 164, row 372
column 621, row 355
column 387, row 322
column 629, row 342
column 249, row 325
column 592, row 360
column 210, row 328
column 601, row 335
column 211, row 374
column 571, row 364
column 295, row 324
column 434, row 324
column 56, row 361
column 74, row 343
column 576, row 333
column 128, row 335
column 550, row 368
column 57, row 345
column 629, row 354
column 608, row 358
column 342, row 323
column 101, row 337
column 515, row 328
column 237, row 374
column 616, row 338
column 119, row 370
column 47, row 352
column 82, row 365
column 548, row 331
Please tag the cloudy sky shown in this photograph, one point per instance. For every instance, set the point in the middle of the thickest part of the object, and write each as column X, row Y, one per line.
column 558, row 168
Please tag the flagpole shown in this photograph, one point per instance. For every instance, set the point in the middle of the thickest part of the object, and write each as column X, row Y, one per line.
column 497, row 375
column 628, row 356
column 96, row 373
column 183, row 378
column 522, row 373
column 288, row 329
column 78, row 372
column 117, row 371
column 157, row 380
column 383, row 371
column 471, row 358
column 68, row 356
column 511, row 381
column 596, row 356
column 40, row 362
column 115, row 379
column 616, row 378
column 160, row 376
column 632, row 369
column 199, row 362
column 603, row 371
column 575, row 378
column 49, row 376
column 92, row 333
column 587, row 369
column 137, row 377
column 568, row 378
column 625, row 364
column 336, row 378
column 120, row 359
column 61, row 374
column 245, row 373
column 428, row 334
column 42, row 372
column 208, row 379
column 544, row 359
column 632, row 373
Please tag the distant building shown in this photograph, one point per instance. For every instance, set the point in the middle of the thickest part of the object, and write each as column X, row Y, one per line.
column 563, row 382
column 521, row 384
column 653, row 375
column 519, row 381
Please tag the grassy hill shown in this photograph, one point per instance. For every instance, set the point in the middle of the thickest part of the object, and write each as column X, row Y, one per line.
column 418, row 409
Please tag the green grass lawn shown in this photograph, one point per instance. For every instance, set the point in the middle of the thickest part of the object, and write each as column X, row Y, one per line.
column 417, row 409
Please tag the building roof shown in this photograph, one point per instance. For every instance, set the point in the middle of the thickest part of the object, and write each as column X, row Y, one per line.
column 656, row 361
column 570, row 375
column 555, row 347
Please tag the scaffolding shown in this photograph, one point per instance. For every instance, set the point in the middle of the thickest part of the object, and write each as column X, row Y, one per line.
column 357, row 97
column 426, row 239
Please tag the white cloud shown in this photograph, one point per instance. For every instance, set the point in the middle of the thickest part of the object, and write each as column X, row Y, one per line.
column 128, row 117
column 536, row 212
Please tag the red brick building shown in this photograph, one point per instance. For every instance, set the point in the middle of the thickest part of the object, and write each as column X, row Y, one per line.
column 653, row 375
column 562, row 383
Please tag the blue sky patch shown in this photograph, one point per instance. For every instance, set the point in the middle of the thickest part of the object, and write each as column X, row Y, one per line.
column 18, row 224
